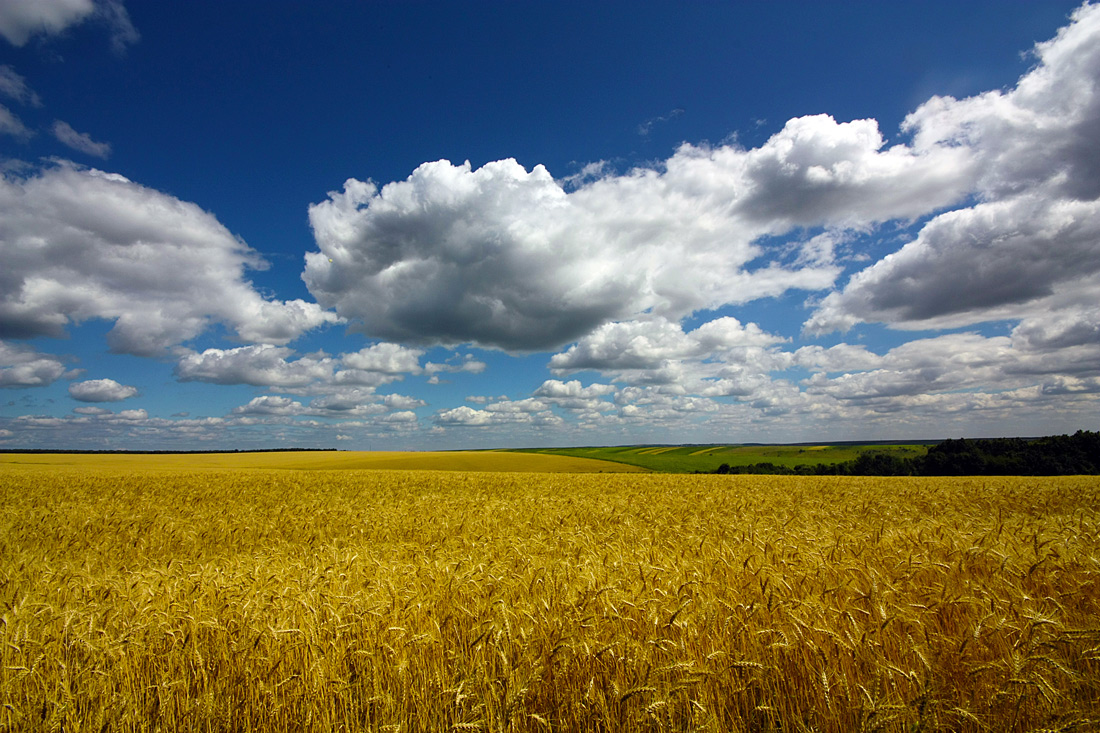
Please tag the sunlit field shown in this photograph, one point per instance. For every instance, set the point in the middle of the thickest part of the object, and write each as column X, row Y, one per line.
column 323, row 460
column 212, row 599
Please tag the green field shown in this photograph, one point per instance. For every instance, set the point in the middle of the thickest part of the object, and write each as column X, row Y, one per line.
column 689, row 458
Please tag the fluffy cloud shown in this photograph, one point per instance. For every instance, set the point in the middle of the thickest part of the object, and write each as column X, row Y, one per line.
column 994, row 261
column 532, row 413
column 1062, row 329
column 816, row 172
column 505, row 257
column 80, row 244
column 265, row 365
column 385, row 358
column 79, row 141
column 101, row 390
column 22, row 19
column 270, row 405
column 345, row 405
column 1031, row 245
column 24, row 367
column 572, row 395
column 262, row 365
column 955, row 370
column 647, row 345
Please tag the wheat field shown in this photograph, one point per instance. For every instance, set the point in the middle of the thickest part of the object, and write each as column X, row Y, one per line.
column 277, row 600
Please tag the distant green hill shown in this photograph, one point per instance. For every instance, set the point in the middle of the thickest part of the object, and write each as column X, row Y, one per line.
column 1057, row 455
column 708, row 458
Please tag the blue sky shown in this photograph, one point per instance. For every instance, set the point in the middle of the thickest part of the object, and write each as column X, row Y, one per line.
column 424, row 225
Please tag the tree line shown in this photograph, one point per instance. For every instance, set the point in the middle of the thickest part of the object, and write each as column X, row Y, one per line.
column 1057, row 455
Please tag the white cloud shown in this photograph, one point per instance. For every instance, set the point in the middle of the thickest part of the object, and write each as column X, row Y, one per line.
column 464, row 416
column 468, row 363
column 21, row 19
column 402, row 402
column 101, row 390
column 606, row 268
column 80, row 244
column 92, row 411
column 403, row 417
column 122, row 30
column 839, row 358
column 270, row 405
column 343, row 377
column 816, row 171
column 1040, row 133
column 517, row 407
column 10, row 124
column 1067, row 327
column 1031, row 244
column 651, row 344
column 79, row 141
column 261, row 365
column 132, row 415
column 21, row 366
column 505, row 257
column 528, row 412
column 572, row 395
column 385, row 358
column 926, row 371
column 993, row 261
column 14, row 86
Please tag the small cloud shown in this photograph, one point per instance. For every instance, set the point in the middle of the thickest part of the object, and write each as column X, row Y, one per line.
column 19, row 21
column 94, row 411
column 22, row 20
column 10, row 124
column 80, row 141
column 587, row 174
column 122, row 30
column 101, row 390
column 14, row 86
column 646, row 127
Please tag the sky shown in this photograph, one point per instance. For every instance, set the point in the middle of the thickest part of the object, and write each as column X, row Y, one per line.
column 439, row 225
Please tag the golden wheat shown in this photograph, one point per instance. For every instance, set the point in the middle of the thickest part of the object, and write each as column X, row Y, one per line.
column 443, row 601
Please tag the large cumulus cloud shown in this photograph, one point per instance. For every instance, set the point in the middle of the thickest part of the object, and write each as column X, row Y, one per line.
column 79, row 244
column 506, row 257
